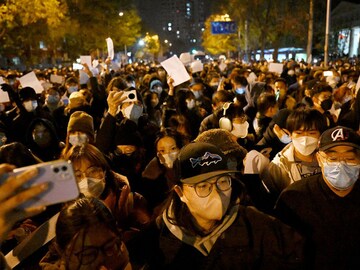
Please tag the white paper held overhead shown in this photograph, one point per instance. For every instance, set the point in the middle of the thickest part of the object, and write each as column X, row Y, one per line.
column 31, row 80
column 176, row 69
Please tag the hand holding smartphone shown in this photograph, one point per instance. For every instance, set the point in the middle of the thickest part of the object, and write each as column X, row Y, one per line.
column 60, row 177
column 130, row 96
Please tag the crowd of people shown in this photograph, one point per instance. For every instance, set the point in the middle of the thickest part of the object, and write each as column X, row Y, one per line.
column 237, row 168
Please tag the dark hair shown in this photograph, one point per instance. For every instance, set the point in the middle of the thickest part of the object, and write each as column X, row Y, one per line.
column 179, row 214
column 306, row 118
column 234, row 111
column 280, row 80
column 172, row 133
column 320, row 87
column 222, row 96
column 177, row 121
column 147, row 96
column 71, row 80
column 240, row 79
column 81, row 215
column 117, row 82
column 180, row 99
column 265, row 101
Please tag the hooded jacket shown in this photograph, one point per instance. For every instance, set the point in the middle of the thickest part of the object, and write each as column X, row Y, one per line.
column 282, row 171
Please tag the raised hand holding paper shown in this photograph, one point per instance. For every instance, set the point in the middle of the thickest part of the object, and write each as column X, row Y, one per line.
column 86, row 59
column 176, row 70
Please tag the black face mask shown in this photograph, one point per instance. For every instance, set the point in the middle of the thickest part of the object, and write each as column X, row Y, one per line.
column 125, row 164
column 326, row 104
column 42, row 140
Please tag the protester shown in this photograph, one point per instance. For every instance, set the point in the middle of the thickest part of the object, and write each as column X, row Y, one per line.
column 95, row 178
column 297, row 160
column 324, row 207
column 159, row 175
column 267, row 107
column 121, row 114
column 87, row 238
column 130, row 145
column 321, row 95
column 80, row 130
column 204, row 225
column 42, row 140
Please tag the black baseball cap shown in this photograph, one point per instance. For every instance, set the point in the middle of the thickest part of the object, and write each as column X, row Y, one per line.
column 199, row 161
column 339, row 136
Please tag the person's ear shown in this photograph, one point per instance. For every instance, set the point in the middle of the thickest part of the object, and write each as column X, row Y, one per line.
column 180, row 193
column 315, row 100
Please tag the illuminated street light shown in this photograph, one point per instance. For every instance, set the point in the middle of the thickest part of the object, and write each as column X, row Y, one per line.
column 166, row 41
column 121, row 13
column 141, row 42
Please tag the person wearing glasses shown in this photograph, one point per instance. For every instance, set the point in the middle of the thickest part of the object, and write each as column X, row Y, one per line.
column 325, row 207
column 87, row 238
column 96, row 178
column 205, row 225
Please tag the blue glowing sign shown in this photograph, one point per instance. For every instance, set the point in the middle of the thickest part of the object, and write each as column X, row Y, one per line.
column 223, row 27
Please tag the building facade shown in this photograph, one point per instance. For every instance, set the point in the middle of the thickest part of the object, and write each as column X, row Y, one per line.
column 345, row 28
column 179, row 23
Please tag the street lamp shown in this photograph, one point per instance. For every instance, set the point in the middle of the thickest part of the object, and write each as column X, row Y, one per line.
column 141, row 42
column 121, row 13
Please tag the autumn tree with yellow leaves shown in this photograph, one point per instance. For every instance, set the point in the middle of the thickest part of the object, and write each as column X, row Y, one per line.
column 65, row 28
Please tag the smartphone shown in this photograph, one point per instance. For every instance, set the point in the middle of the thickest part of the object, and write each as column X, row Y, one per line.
column 60, row 175
column 130, row 96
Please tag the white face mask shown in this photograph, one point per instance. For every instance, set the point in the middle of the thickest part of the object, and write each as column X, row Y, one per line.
column 78, row 139
column 168, row 159
column 285, row 139
column 240, row 130
column 212, row 207
column 190, row 103
column 91, row 187
column 30, row 105
column 305, row 145
column 133, row 112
